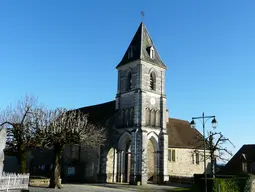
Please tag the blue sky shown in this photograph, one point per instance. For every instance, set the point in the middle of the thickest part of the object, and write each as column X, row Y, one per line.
column 65, row 52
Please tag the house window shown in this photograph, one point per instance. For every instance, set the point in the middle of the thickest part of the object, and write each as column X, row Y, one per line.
column 197, row 158
column 130, row 52
column 152, row 81
column 129, row 81
column 244, row 166
column 173, row 155
column 169, row 155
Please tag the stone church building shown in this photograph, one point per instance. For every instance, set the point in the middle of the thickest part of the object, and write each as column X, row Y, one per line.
column 143, row 143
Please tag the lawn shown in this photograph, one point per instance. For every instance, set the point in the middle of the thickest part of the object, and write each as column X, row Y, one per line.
column 180, row 189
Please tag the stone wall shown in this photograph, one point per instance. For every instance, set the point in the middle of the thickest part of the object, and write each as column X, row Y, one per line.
column 83, row 161
column 185, row 164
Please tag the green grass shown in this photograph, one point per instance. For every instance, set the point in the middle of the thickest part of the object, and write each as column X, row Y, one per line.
column 170, row 190
column 180, row 189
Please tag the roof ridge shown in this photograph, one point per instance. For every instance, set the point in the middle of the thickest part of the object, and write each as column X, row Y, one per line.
column 141, row 47
column 178, row 119
column 97, row 104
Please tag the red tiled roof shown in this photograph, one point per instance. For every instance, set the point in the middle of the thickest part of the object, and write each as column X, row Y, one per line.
column 180, row 134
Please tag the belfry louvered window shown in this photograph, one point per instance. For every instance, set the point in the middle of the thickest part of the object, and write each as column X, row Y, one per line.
column 129, row 81
column 152, row 81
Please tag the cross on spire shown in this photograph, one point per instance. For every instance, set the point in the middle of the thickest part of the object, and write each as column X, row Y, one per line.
column 142, row 14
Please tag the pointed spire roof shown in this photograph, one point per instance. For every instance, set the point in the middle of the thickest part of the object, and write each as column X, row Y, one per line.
column 141, row 45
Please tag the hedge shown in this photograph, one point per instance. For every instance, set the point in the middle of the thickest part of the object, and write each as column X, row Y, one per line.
column 238, row 183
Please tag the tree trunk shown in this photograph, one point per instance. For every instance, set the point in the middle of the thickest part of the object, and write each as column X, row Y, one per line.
column 55, row 177
column 22, row 160
column 213, row 165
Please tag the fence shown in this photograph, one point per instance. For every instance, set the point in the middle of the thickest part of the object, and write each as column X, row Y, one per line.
column 10, row 181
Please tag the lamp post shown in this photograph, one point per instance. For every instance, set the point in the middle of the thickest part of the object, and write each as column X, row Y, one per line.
column 214, row 125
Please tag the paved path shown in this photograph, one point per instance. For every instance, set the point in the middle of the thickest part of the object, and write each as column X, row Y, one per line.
column 103, row 188
column 74, row 188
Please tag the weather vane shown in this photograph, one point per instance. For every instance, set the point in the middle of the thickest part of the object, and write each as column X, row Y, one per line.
column 142, row 14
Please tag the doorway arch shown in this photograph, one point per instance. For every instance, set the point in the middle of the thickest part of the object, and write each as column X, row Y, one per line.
column 152, row 157
column 124, row 158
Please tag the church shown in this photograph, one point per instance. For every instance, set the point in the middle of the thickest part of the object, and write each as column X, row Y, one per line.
column 143, row 143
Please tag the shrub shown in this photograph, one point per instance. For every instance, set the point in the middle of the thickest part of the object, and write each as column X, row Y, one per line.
column 238, row 183
column 225, row 185
column 245, row 182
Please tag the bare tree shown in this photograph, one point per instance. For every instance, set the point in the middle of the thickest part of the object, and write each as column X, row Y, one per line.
column 216, row 145
column 218, row 150
column 21, row 124
column 63, row 128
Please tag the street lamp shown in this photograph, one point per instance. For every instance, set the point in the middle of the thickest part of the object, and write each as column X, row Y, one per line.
column 214, row 125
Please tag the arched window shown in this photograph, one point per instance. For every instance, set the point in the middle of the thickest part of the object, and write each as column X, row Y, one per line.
column 157, row 119
column 152, row 81
column 123, row 118
column 152, row 119
column 131, row 121
column 129, row 81
column 147, row 117
column 127, row 118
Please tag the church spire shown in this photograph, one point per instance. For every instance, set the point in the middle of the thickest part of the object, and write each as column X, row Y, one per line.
column 142, row 47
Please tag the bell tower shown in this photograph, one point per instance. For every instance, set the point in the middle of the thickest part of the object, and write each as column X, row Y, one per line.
column 141, row 105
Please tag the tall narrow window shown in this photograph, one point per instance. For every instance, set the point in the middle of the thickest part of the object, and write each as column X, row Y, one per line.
column 131, row 120
column 152, row 53
column 244, row 166
column 197, row 158
column 173, row 155
column 152, row 118
column 123, row 118
column 147, row 117
column 157, row 119
column 193, row 158
column 129, row 81
column 169, row 155
column 120, row 119
column 152, row 81
column 127, row 118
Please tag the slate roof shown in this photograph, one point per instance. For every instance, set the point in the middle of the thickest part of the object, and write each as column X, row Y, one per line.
column 180, row 134
column 141, row 43
column 246, row 153
column 101, row 113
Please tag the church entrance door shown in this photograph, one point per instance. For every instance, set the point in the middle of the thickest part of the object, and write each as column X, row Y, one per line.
column 152, row 161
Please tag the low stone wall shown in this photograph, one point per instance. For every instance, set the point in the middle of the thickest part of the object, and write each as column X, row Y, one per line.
column 39, row 182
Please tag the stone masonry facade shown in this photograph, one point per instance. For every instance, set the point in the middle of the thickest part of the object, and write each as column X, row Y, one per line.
column 186, row 162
